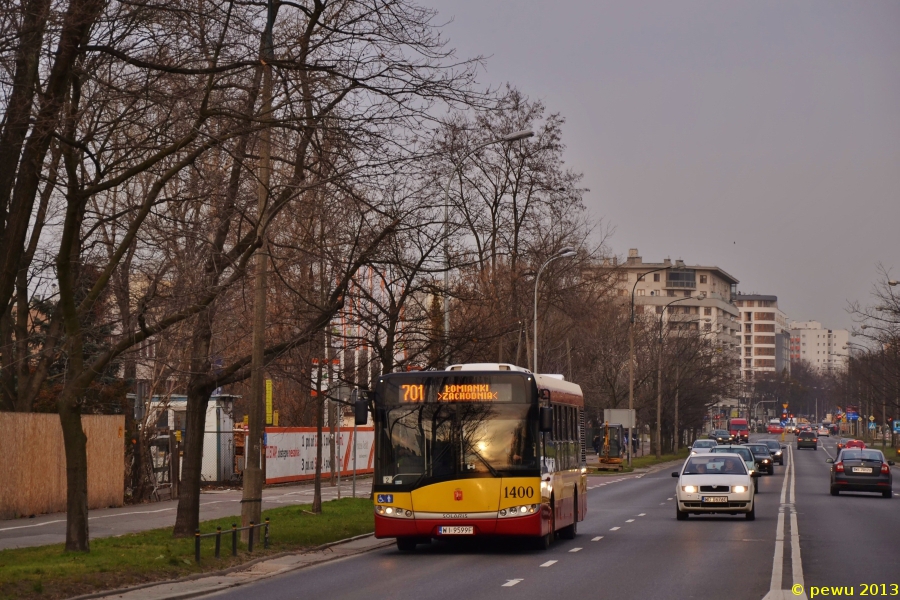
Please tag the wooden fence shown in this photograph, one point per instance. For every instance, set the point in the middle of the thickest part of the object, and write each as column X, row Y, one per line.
column 33, row 463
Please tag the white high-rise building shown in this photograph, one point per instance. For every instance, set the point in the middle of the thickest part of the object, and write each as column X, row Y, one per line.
column 765, row 337
column 825, row 349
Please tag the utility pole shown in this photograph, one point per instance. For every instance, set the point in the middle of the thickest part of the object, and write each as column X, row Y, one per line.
column 251, row 497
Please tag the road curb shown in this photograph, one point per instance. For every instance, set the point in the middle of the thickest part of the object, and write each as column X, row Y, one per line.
column 234, row 569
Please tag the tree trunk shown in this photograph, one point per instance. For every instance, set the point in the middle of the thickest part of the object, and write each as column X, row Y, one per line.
column 187, row 518
column 75, row 442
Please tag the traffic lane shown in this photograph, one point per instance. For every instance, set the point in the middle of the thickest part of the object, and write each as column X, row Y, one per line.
column 434, row 570
column 703, row 557
column 848, row 539
column 640, row 551
column 108, row 522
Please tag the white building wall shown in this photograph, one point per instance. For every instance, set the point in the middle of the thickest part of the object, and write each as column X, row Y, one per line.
column 824, row 349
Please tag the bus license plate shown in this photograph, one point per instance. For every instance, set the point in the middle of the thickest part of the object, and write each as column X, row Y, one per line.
column 457, row 530
column 862, row 469
column 714, row 499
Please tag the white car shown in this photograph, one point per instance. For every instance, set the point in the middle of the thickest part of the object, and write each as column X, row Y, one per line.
column 702, row 446
column 823, row 431
column 715, row 483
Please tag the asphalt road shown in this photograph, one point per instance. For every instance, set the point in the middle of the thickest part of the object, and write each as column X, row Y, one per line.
column 631, row 546
column 108, row 522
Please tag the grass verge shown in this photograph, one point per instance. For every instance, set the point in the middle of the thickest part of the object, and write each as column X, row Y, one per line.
column 50, row 572
column 641, row 462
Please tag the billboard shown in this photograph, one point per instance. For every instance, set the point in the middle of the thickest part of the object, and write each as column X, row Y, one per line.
column 619, row 416
column 291, row 452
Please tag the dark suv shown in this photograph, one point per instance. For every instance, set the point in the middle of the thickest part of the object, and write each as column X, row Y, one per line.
column 807, row 439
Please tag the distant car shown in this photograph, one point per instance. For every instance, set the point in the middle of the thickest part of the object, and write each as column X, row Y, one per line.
column 842, row 443
column 745, row 454
column 861, row 470
column 762, row 457
column 722, row 436
column 807, row 439
column 823, row 431
column 774, row 428
column 715, row 483
column 702, row 446
column 776, row 449
column 855, row 444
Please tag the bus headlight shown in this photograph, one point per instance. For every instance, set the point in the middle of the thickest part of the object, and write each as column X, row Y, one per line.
column 518, row 511
column 394, row 511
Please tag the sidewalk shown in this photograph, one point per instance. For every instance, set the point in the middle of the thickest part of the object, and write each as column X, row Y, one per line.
column 214, row 504
column 199, row 585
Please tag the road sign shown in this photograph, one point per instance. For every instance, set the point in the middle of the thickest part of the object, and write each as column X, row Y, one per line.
column 872, row 418
column 872, row 425
column 896, row 425
column 784, row 405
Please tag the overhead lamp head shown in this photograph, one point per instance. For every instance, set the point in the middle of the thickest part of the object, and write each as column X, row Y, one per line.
column 518, row 135
column 863, row 326
column 893, row 282
column 566, row 252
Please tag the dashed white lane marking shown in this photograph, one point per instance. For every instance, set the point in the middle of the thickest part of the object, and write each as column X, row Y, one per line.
column 668, row 498
column 549, row 563
column 511, row 582
column 614, row 529
column 575, row 550
column 630, row 521
column 642, row 515
column 597, row 539
column 661, row 503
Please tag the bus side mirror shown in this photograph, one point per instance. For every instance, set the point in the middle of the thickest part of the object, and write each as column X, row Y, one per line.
column 546, row 419
column 360, row 408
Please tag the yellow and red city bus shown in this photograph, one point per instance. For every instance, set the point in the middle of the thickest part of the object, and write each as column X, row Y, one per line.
column 478, row 450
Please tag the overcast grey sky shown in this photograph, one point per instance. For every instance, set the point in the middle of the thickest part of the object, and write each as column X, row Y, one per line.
column 761, row 137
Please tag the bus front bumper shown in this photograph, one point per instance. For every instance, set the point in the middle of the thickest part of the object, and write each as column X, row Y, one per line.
column 529, row 525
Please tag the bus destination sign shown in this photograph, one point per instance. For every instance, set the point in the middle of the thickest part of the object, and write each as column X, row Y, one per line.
column 456, row 392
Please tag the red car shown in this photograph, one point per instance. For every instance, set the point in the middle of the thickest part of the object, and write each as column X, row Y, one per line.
column 855, row 444
column 775, row 428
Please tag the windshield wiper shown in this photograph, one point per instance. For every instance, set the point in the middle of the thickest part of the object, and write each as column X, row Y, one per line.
column 482, row 459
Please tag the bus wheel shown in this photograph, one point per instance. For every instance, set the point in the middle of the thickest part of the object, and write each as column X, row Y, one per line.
column 406, row 544
column 569, row 532
column 544, row 541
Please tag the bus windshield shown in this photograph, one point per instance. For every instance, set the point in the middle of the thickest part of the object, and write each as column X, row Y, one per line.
column 424, row 443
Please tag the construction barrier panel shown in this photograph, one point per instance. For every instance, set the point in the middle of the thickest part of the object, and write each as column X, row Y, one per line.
column 291, row 452
column 33, row 463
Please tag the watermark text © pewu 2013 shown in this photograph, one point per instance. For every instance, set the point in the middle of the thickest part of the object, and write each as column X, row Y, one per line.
column 877, row 590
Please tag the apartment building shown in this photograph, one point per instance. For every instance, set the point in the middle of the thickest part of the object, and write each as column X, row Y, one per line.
column 704, row 296
column 765, row 335
column 824, row 349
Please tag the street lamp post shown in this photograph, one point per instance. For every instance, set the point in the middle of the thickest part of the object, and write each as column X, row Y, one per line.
column 631, row 362
column 512, row 137
column 564, row 253
column 659, row 376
